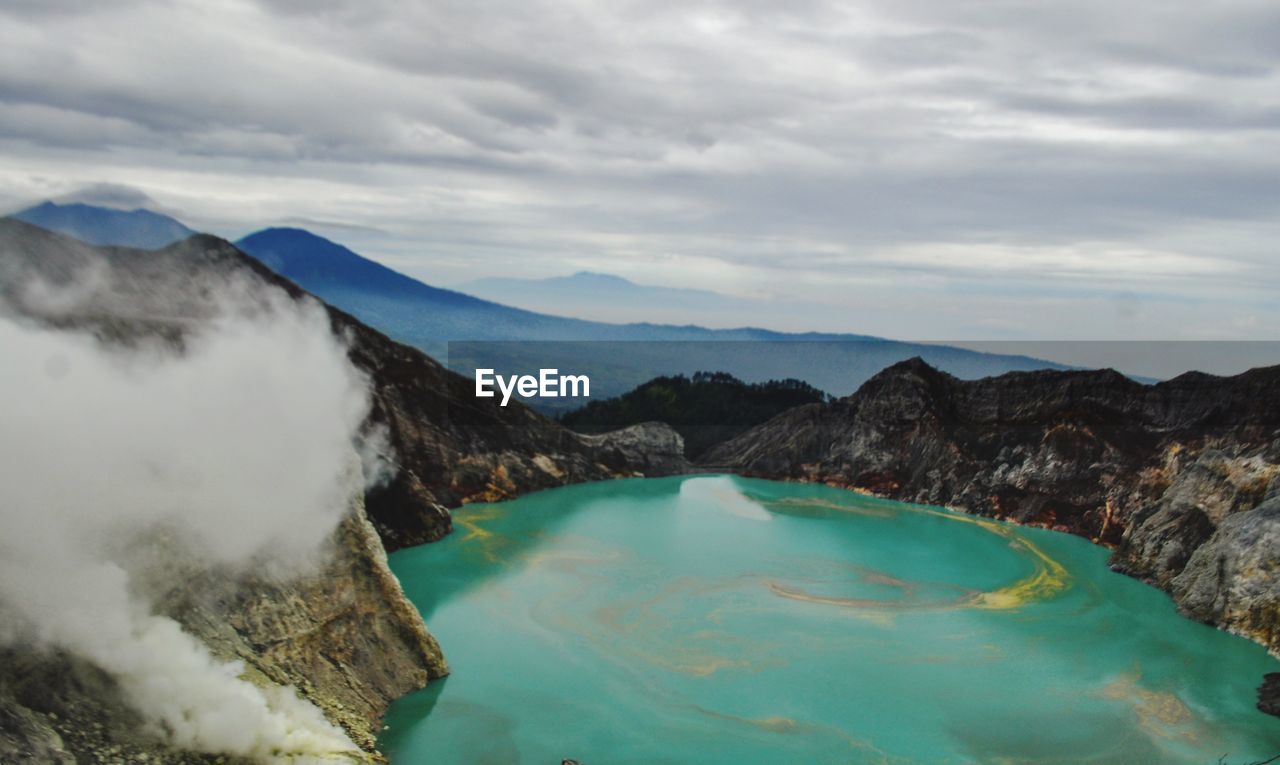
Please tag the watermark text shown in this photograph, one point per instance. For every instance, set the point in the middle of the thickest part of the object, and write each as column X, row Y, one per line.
column 549, row 383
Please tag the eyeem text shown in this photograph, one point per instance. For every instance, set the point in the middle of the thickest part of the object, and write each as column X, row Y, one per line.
column 548, row 384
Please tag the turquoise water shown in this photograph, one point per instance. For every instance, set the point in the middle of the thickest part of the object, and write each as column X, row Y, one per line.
column 714, row 619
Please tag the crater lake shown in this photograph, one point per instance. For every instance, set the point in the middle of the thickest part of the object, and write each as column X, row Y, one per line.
column 710, row 620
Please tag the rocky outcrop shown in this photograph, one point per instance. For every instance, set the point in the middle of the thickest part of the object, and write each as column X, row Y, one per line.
column 344, row 636
column 706, row 408
column 451, row 448
column 1206, row 490
column 1233, row 579
column 57, row 709
column 1175, row 476
column 1269, row 694
column 649, row 448
column 1094, row 453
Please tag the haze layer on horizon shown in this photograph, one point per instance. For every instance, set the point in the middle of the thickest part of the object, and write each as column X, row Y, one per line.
column 918, row 169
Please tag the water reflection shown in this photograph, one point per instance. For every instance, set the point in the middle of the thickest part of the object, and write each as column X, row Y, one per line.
column 720, row 620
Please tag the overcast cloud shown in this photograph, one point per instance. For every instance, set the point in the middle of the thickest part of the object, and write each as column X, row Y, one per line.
column 936, row 169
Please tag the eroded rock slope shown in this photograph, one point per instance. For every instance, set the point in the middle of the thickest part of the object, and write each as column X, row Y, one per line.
column 1180, row 478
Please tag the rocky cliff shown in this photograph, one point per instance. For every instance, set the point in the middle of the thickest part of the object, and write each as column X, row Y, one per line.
column 346, row 637
column 1181, row 478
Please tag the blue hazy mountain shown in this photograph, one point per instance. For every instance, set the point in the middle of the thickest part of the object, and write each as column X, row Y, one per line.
column 420, row 313
column 139, row 228
column 428, row 316
column 591, row 294
column 468, row 332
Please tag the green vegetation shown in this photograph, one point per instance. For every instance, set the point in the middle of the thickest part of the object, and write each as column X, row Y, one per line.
column 705, row 409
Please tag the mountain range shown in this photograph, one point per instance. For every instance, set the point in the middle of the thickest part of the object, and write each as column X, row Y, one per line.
column 588, row 294
column 468, row 332
column 423, row 314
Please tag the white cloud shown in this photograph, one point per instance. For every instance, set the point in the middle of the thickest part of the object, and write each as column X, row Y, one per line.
column 469, row 139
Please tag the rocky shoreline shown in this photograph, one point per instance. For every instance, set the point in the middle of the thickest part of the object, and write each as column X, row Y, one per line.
column 1181, row 478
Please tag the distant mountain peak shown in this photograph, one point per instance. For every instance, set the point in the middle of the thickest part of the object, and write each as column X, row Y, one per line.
column 329, row 269
column 293, row 237
column 291, row 231
column 597, row 276
column 115, row 196
column 107, row 226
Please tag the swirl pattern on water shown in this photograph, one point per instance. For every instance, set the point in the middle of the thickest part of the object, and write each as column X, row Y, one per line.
column 714, row 619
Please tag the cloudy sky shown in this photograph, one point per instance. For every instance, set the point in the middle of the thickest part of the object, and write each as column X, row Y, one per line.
column 928, row 169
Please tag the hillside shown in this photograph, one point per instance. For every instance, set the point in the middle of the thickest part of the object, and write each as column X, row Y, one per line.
column 705, row 409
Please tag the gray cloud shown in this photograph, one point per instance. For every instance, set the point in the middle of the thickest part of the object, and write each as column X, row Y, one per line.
column 974, row 158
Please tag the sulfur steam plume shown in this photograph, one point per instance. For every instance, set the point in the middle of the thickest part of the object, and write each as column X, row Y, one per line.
column 235, row 453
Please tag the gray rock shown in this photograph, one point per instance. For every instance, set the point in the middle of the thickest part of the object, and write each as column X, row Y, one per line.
column 1269, row 694
column 1214, row 486
column 647, row 449
column 27, row 738
column 346, row 637
column 1233, row 579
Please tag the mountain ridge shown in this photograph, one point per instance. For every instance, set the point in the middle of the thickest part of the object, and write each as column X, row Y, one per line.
column 590, row 277
column 106, row 226
column 290, row 250
column 612, row 298
column 474, row 333
column 705, row 408
column 430, row 318
column 1180, row 478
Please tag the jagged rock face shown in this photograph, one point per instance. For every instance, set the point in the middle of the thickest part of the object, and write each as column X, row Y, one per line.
column 56, row 709
column 453, row 448
column 1172, row 475
column 1233, row 579
column 1269, row 694
column 345, row 636
column 1087, row 452
column 1205, row 489
column 649, row 448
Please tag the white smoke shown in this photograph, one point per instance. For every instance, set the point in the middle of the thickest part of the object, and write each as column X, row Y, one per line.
column 237, row 451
